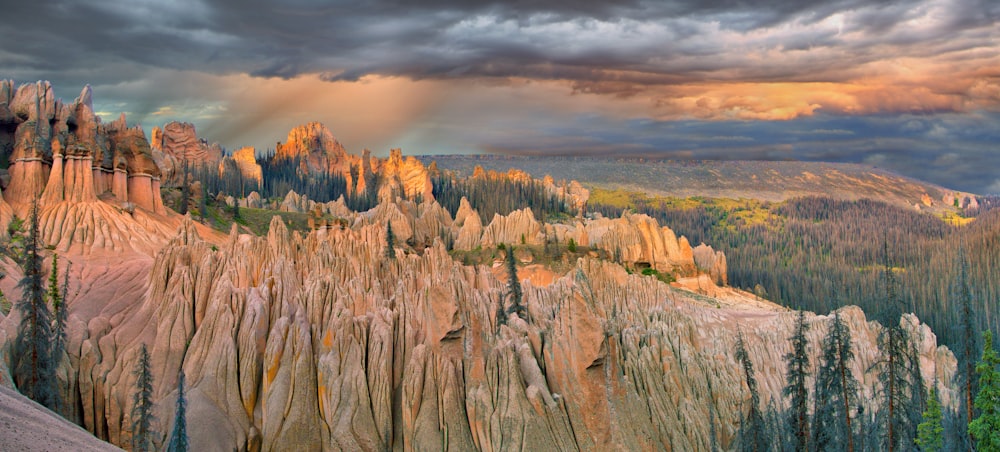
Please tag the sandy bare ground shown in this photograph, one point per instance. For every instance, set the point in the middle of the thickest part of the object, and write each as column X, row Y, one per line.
column 27, row 426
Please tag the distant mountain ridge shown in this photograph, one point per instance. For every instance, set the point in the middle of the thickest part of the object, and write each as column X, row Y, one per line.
column 764, row 180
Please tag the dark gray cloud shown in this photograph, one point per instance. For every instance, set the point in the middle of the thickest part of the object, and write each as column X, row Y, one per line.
column 575, row 40
column 912, row 83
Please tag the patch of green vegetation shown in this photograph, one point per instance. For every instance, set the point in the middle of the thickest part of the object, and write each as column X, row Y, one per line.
column 259, row 220
column 665, row 278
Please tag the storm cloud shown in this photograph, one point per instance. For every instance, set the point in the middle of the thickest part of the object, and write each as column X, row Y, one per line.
column 705, row 79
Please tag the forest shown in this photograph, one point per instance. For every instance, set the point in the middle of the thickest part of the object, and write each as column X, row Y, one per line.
column 498, row 195
column 819, row 254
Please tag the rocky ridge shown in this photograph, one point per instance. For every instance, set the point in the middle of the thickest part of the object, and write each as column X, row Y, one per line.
column 292, row 341
column 63, row 152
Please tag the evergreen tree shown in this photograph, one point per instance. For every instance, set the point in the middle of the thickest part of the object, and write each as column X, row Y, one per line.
column 895, row 368
column 967, row 347
column 185, row 189
column 797, row 362
column 836, row 390
column 142, row 405
column 985, row 429
column 34, row 371
column 57, row 297
column 179, row 438
column 930, row 432
column 754, row 434
column 390, row 242
column 514, row 286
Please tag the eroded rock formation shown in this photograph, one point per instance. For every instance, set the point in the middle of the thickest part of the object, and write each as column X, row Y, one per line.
column 290, row 342
column 62, row 152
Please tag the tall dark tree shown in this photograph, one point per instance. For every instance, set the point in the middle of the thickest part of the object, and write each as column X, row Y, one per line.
column 514, row 286
column 179, row 437
column 797, row 362
column 390, row 242
column 185, row 189
column 967, row 337
column 754, row 432
column 986, row 427
column 895, row 369
column 34, row 371
column 57, row 297
column 836, row 390
column 142, row 405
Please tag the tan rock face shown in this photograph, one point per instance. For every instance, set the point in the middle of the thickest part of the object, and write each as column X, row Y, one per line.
column 62, row 152
column 292, row 342
column 245, row 160
column 406, row 178
column 314, row 143
column 176, row 142
column 714, row 262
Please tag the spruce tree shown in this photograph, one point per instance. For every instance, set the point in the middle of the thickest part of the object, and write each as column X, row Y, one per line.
column 185, row 190
column 390, row 242
column 985, row 428
column 797, row 362
column 967, row 347
column 895, row 369
column 514, row 286
column 179, row 438
column 57, row 297
column 836, row 391
column 930, row 432
column 142, row 405
column 34, row 370
column 754, row 435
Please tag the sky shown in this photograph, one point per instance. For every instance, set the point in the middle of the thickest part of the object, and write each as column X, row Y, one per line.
column 911, row 85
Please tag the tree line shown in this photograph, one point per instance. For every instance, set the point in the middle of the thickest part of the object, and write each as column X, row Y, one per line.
column 817, row 254
column 497, row 195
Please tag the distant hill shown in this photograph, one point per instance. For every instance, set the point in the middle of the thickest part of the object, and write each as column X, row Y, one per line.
column 764, row 180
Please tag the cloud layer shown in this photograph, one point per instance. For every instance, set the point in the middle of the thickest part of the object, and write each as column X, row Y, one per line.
column 834, row 80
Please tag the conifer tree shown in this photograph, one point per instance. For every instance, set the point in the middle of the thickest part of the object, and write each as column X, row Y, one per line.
column 967, row 347
column 34, row 371
column 985, row 428
column 57, row 297
column 179, row 438
column 754, row 435
column 930, row 432
column 142, row 405
column 836, row 390
column 514, row 286
column 185, row 189
column 797, row 362
column 895, row 367
column 390, row 242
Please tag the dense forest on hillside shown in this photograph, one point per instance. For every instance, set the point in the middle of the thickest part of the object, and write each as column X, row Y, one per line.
column 498, row 195
column 282, row 175
column 820, row 254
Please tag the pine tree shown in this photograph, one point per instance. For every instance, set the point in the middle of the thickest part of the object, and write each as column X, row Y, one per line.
column 754, row 435
column 968, row 347
column 514, row 286
column 930, row 432
column 390, row 242
column 34, row 371
column 797, row 362
column 836, row 390
column 895, row 368
column 179, row 438
column 142, row 405
column 57, row 297
column 985, row 429
column 185, row 189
